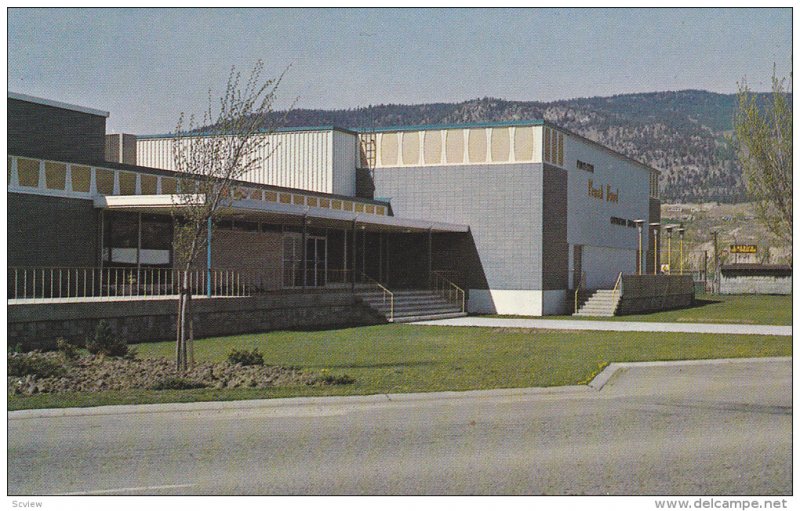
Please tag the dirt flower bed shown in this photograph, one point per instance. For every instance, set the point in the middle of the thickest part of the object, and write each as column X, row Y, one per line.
column 94, row 373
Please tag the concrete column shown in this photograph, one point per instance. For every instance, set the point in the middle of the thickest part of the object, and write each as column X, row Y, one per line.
column 305, row 254
column 208, row 260
column 430, row 256
column 354, row 255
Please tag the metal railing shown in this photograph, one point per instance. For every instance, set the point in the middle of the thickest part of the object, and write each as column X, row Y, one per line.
column 448, row 290
column 579, row 287
column 366, row 279
column 617, row 289
column 112, row 282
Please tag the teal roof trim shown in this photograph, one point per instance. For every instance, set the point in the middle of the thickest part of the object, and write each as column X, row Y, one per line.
column 424, row 127
column 273, row 130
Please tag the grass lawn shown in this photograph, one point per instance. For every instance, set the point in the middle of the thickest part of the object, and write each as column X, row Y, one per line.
column 408, row 358
column 742, row 309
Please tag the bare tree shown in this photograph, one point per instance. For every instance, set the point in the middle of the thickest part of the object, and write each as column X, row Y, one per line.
column 211, row 154
column 764, row 137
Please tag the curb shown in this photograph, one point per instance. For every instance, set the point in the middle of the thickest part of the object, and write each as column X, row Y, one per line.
column 248, row 404
column 597, row 383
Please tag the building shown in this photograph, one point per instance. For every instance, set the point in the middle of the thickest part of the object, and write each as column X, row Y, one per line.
column 545, row 207
column 506, row 218
column 753, row 278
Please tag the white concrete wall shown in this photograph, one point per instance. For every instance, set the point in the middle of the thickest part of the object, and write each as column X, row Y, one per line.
column 603, row 264
column 608, row 248
column 505, row 301
column 344, row 158
column 320, row 161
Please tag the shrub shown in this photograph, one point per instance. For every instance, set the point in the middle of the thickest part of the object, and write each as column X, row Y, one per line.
column 331, row 379
column 246, row 358
column 69, row 350
column 35, row 364
column 105, row 342
column 177, row 383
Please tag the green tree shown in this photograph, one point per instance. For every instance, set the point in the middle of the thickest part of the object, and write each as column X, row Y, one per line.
column 211, row 154
column 764, row 143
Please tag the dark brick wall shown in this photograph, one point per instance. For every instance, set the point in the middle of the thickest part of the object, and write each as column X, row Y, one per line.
column 555, row 249
column 128, row 146
column 55, row 133
column 51, row 231
column 37, row 326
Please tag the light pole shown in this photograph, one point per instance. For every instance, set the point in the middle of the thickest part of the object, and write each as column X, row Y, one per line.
column 655, row 226
column 681, row 230
column 716, row 263
column 639, row 254
column 669, row 246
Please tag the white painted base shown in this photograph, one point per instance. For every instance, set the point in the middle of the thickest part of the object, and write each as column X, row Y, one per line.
column 525, row 302
column 505, row 301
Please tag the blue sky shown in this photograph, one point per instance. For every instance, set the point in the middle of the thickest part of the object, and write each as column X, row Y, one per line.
column 145, row 66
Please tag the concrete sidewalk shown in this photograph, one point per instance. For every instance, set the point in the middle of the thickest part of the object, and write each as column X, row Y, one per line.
column 613, row 326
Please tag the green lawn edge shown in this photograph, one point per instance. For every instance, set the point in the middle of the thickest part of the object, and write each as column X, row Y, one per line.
column 390, row 359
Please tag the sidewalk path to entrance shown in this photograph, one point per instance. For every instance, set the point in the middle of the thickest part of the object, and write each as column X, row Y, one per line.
column 613, row 326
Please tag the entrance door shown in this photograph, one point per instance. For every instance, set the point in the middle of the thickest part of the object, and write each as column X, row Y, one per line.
column 316, row 261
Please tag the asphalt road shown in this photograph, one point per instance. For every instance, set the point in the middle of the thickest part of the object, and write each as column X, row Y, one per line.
column 676, row 429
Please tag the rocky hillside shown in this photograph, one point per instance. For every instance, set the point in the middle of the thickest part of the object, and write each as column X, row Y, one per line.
column 680, row 133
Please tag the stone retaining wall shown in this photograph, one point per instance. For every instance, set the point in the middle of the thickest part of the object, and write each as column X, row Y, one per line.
column 37, row 326
column 648, row 293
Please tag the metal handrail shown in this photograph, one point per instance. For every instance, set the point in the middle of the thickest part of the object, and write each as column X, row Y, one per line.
column 578, row 289
column 56, row 282
column 385, row 291
column 448, row 289
column 617, row 287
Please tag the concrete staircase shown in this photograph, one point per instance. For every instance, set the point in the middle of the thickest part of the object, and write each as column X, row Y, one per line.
column 601, row 302
column 411, row 305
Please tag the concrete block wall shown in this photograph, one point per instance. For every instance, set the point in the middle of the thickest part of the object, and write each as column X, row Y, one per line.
column 755, row 284
column 37, row 326
column 648, row 293
column 502, row 204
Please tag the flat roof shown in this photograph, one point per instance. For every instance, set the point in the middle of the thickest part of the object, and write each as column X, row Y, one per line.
column 56, row 104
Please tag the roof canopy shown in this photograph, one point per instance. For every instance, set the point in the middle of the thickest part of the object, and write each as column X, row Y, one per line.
column 255, row 210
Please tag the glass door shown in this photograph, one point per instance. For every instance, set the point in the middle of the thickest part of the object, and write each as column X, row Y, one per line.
column 316, row 261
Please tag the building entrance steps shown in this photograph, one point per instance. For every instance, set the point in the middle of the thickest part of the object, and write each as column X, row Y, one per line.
column 601, row 302
column 411, row 305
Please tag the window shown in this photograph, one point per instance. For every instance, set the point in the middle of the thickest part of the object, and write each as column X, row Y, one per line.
column 121, row 239
column 292, row 260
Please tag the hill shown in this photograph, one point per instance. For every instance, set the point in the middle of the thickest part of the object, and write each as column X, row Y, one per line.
column 683, row 133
